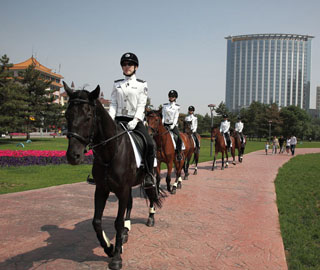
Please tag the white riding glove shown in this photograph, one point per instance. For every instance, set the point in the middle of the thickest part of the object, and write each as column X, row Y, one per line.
column 172, row 126
column 132, row 124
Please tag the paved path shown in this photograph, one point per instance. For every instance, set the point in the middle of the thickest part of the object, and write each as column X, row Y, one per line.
column 219, row 220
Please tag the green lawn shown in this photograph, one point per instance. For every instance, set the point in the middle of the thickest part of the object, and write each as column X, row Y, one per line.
column 298, row 200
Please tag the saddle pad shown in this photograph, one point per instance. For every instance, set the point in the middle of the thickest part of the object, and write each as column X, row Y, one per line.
column 137, row 153
column 194, row 142
column 225, row 141
column 183, row 147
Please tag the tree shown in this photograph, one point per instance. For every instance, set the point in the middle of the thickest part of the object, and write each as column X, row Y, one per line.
column 12, row 100
column 38, row 97
column 296, row 122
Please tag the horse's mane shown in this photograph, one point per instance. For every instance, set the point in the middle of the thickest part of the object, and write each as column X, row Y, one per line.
column 157, row 112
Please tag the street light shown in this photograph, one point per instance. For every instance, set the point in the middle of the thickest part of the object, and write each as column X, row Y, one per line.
column 211, row 107
column 270, row 122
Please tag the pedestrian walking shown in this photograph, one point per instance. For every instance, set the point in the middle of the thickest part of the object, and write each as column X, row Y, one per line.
column 293, row 143
column 266, row 147
column 288, row 145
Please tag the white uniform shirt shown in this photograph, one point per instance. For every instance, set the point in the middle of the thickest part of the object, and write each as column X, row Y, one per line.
column 239, row 126
column 170, row 113
column 194, row 121
column 293, row 140
column 224, row 126
column 129, row 98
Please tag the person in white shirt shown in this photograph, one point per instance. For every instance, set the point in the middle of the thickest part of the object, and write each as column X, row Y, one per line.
column 224, row 129
column 194, row 124
column 238, row 128
column 128, row 102
column 170, row 117
column 293, row 143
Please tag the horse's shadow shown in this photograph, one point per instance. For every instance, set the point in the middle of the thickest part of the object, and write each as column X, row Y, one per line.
column 75, row 245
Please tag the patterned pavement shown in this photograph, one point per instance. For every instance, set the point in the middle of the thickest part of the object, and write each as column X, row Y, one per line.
column 218, row 220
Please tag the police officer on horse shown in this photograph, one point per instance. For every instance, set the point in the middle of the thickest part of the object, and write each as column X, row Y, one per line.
column 128, row 102
column 224, row 129
column 194, row 124
column 170, row 117
column 238, row 128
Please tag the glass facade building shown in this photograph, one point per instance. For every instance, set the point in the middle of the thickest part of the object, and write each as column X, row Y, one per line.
column 268, row 68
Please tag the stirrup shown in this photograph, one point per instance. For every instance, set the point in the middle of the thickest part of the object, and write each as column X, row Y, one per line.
column 151, row 182
column 90, row 181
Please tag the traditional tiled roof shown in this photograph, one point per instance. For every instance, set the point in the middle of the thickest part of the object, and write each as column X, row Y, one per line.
column 38, row 66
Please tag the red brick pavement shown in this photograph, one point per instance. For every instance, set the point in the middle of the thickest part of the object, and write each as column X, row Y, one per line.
column 219, row 220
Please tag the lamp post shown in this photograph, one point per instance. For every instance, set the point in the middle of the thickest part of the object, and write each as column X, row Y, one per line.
column 211, row 107
column 270, row 122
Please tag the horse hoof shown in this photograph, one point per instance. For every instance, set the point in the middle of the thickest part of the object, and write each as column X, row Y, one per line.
column 185, row 177
column 174, row 190
column 109, row 251
column 195, row 173
column 115, row 264
column 125, row 236
column 179, row 185
column 150, row 222
column 234, row 163
column 222, row 168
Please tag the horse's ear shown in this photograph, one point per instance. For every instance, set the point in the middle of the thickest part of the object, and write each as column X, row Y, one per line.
column 67, row 89
column 95, row 93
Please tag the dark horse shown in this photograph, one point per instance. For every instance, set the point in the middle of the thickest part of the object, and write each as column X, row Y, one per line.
column 239, row 146
column 165, row 149
column 220, row 146
column 114, row 167
column 193, row 150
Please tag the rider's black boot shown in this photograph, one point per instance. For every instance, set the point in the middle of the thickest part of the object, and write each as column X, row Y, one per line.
column 90, row 180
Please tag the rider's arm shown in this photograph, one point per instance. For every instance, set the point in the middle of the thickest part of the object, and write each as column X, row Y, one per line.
column 176, row 116
column 114, row 103
column 142, row 101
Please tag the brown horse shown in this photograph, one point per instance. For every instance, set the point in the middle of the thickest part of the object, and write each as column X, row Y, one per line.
column 165, row 149
column 220, row 146
column 239, row 146
column 193, row 150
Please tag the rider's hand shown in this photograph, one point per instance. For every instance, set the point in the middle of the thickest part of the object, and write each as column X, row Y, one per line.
column 132, row 124
column 172, row 126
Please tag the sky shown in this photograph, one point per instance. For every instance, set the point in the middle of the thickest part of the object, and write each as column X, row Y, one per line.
column 180, row 44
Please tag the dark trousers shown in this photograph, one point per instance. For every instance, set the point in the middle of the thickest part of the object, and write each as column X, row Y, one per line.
column 179, row 141
column 194, row 135
column 227, row 136
column 150, row 155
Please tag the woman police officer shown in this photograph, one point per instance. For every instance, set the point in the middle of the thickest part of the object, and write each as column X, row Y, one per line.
column 170, row 117
column 128, row 101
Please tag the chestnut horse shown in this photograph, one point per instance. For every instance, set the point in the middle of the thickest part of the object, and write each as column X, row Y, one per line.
column 165, row 149
column 239, row 146
column 194, row 150
column 114, row 166
column 220, row 146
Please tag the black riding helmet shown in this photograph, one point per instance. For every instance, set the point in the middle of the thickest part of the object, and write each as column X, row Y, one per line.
column 225, row 116
column 191, row 108
column 173, row 93
column 129, row 57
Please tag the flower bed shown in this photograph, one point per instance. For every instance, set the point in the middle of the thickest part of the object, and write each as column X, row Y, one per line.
column 11, row 158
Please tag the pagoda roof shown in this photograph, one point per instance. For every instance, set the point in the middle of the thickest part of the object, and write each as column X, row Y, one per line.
column 37, row 65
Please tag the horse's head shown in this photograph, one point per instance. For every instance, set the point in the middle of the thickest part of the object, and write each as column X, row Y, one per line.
column 214, row 133
column 80, row 115
column 187, row 127
column 154, row 120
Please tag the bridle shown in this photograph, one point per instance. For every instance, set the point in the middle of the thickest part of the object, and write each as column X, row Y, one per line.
column 89, row 141
column 155, row 131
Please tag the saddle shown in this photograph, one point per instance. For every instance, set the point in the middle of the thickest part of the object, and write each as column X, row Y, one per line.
column 174, row 138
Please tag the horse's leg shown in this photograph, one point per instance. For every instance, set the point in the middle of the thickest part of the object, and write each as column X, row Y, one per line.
column 233, row 153
column 127, row 220
column 152, row 211
column 196, row 160
column 214, row 161
column 178, row 174
column 168, row 178
column 116, row 262
column 100, row 198
column 222, row 159
column 186, row 169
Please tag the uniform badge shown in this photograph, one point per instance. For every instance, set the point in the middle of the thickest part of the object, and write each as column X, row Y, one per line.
column 127, row 55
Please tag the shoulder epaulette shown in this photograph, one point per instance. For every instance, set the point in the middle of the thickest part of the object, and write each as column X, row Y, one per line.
column 119, row 80
column 177, row 105
column 165, row 103
column 139, row 80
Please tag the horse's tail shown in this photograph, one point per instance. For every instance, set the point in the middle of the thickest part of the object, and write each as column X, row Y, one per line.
column 155, row 195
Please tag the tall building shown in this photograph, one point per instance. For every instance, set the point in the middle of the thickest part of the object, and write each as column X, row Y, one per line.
column 269, row 68
column 45, row 74
column 318, row 98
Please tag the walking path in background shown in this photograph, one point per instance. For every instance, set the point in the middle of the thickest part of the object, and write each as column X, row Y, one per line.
column 218, row 220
